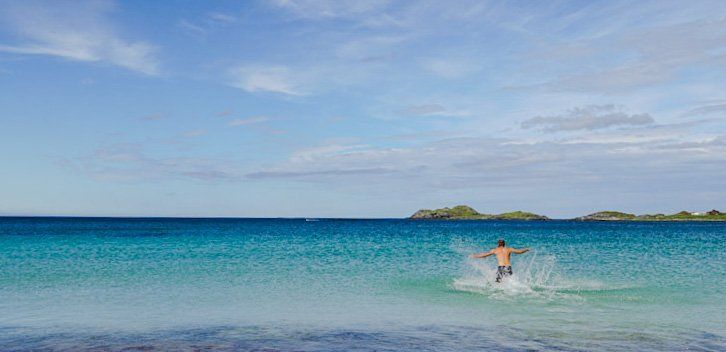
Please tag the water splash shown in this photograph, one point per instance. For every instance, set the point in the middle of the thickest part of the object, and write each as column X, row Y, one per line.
column 534, row 277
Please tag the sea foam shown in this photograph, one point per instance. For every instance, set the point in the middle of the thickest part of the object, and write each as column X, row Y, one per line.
column 535, row 277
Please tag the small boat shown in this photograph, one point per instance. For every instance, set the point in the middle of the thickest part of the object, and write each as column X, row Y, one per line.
column 310, row 219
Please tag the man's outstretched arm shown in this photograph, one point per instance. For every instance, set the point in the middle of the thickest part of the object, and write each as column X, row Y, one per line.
column 520, row 251
column 481, row 255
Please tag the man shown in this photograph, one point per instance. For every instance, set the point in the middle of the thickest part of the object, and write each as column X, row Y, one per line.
column 503, row 253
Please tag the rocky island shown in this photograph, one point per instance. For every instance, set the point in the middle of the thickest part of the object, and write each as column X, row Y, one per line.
column 464, row 212
column 713, row 215
column 607, row 216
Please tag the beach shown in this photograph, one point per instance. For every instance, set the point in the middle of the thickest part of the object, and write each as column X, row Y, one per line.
column 291, row 284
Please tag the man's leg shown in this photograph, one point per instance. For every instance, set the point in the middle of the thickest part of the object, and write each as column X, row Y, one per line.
column 500, row 273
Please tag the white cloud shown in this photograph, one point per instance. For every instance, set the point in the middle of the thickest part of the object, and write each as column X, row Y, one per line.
column 591, row 117
column 310, row 154
column 610, row 157
column 206, row 24
column 77, row 31
column 191, row 27
column 222, row 17
column 274, row 79
column 708, row 109
column 470, row 163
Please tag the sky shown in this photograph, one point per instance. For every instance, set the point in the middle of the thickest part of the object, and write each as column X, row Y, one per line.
column 317, row 108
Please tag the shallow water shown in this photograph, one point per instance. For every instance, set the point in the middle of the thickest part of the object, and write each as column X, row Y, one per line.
column 246, row 284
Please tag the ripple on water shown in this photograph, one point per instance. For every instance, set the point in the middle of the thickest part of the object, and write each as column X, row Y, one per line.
column 422, row 338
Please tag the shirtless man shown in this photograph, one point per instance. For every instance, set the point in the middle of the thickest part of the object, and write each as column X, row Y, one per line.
column 503, row 253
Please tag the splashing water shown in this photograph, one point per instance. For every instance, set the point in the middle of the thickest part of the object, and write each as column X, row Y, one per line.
column 535, row 278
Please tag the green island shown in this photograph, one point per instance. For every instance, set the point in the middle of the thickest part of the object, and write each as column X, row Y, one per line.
column 464, row 212
column 713, row 215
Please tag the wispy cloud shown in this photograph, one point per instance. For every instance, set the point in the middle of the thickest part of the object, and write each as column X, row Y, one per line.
column 470, row 163
column 588, row 118
column 317, row 173
column 313, row 153
column 707, row 109
column 222, row 17
column 259, row 78
column 248, row 121
column 191, row 27
column 78, row 31
column 207, row 23
column 642, row 57
column 453, row 163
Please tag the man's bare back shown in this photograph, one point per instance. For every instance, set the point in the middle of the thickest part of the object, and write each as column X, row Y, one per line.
column 503, row 254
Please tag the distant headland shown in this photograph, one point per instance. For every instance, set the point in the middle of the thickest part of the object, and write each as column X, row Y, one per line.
column 464, row 212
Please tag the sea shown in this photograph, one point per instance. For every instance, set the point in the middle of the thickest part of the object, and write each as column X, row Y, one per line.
column 168, row 284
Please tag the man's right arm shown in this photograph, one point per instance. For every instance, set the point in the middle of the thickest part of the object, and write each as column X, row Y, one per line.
column 481, row 255
column 520, row 251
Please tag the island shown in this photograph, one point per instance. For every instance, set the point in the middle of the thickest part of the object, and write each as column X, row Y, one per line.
column 713, row 215
column 607, row 216
column 464, row 212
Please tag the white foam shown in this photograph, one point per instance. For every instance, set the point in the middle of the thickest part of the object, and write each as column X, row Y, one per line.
column 533, row 278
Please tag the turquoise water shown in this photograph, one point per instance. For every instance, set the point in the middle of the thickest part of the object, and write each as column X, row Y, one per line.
column 247, row 284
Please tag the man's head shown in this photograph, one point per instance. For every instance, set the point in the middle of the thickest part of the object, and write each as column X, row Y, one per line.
column 500, row 243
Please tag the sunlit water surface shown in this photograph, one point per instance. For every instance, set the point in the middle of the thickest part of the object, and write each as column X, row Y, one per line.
column 223, row 284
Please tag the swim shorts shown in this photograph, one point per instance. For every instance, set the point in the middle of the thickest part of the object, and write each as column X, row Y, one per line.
column 503, row 271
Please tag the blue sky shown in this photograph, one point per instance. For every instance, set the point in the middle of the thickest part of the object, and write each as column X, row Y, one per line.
column 361, row 109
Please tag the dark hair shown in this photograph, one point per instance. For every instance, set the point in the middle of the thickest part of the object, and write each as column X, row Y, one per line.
column 500, row 243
